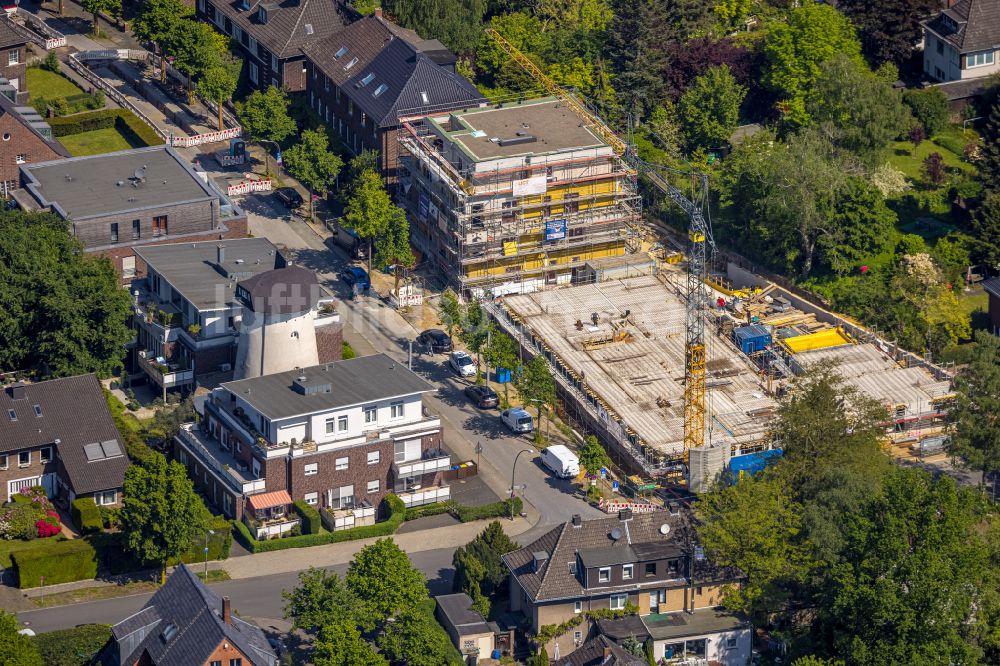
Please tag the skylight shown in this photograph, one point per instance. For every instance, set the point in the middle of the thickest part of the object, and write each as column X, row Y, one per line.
column 424, row 98
column 352, row 63
column 381, row 89
column 309, row 28
column 341, row 52
column 12, row 414
column 368, row 78
column 38, row 410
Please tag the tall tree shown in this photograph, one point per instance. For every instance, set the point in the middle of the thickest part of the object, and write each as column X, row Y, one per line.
column 160, row 21
column 986, row 228
column 476, row 331
column 488, row 547
column 862, row 226
column 264, row 117
column 794, row 51
column 63, row 311
column 95, row 7
column 450, row 311
column 384, row 580
column 392, row 248
column 501, row 352
column 930, row 107
column 988, row 161
column 341, row 644
column 313, row 164
column 636, row 45
column 218, row 82
column 369, row 210
column 198, row 49
column 689, row 60
column 710, row 109
column 319, row 600
column 975, row 441
column 416, row 639
column 457, row 23
column 593, row 456
column 890, row 29
column 16, row 649
column 162, row 516
column 536, row 385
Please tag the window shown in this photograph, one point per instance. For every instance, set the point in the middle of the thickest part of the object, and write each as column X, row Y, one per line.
column 396, row 410
column 160, row 226
column 252, row 45
column 577, row 637
column 342, row 424
column 3, row 461
column 237, row 31
column 424, row 98
column 12, row 414
column 979, row 59
column 46, row 454
column 312, row 498
column 351, row 63
column 373, row 457
column 341, row 52
column 20, row 159
column 572, row 567
column 136, row 229
column 650, row 569
column 238, row 661
column 106, row 498
column 371, row 415
column 381, row 89
column 604, row 575
column 311, row 468
column 13, row 57
column 618, row 601
column 731, row 642
column 940, row 46
column 253, row 72
column 578, row 607
column 373, row 487
column 24, row 458
column 342, row 498
column 627, row 571
column 331, row 425
column 274, row 62
column 217, row 662
column 114, row 232
column 366, row 79
column 406, row 450
column 674, row 568
column 342, row 464
column 201, row 8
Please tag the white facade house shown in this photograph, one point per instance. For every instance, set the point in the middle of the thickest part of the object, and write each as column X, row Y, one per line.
column 963, row 41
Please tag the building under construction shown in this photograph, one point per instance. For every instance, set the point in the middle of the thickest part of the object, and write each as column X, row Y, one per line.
column 510, row 197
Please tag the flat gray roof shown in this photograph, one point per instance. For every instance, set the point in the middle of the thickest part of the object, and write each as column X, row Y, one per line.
column 97, row 185
column 555, row 127
column 680, row 625
column 192, row 270
column 352, row 382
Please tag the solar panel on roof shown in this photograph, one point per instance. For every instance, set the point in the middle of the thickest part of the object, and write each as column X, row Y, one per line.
column 93, row 452
column 111, row 448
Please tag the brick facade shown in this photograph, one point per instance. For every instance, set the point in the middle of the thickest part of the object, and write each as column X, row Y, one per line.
column 13, row 471
column 14, row 72
column 19, row 145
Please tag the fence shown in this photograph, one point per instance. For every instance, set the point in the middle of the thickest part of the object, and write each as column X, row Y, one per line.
column 247, row 186
column 37, row 31
column 210, row 137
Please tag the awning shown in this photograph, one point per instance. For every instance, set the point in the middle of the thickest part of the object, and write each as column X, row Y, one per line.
column 268, row 500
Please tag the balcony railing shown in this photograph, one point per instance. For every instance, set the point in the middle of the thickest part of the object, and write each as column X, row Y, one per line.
column 272, row 527
column 425, row 495
column 211, row 454
column 165, row 374
column 421, row 467
column 343, row 519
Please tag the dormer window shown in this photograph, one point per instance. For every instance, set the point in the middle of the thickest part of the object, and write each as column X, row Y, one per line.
column 650, row 569
column 341, row 52
column 673, row 568
column 627, row 571
column 351, row 63
column 262, row 14
column 604, row 575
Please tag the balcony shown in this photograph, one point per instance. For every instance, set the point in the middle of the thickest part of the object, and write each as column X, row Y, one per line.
column 164, row 373
column 344, row 519
column 420, row 496
column 211, row 453
column 433, row 461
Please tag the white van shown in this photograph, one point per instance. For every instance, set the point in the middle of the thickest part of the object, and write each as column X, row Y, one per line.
column 561, row 461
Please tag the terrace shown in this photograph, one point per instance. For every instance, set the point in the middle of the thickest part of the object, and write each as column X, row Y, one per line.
column 211, row 453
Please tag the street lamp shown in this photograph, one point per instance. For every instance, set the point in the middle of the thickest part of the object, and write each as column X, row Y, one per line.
column 512, row 472
column 209, row 532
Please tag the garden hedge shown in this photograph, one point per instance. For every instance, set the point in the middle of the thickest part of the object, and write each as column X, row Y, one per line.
column 72, row 647
column 312, row 523
column 86, row 516
column 8, row 548
column 397, row 512
column 58, row 562
column 134, row 130
column 466, row 514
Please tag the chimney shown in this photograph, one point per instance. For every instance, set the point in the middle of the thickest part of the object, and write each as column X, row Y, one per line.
column 17, row 391
column 607, row 653
column 378, row 12
column 624, row 515
column 226, row 611
column 220, row 254
column 577, row 520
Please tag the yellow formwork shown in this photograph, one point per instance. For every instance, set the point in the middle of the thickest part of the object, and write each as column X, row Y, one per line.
column 831, row 337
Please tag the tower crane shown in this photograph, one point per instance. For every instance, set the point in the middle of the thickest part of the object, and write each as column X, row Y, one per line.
column 699, row 237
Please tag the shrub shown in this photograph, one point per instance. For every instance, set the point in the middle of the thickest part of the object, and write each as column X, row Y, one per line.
column 49, row 525
column 55, row 562
column 110, row 517
column 72, row 647
column 930, row 107
column 86, row 516
column 134, row 130
column 8, row 548
column 412, row 513
column 51, row 62
column 311, row 521
column 500, row 509
column 19, row 520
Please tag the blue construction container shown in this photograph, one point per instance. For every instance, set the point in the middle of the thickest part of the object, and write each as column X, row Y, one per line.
column 752, row 463
column 752, row 338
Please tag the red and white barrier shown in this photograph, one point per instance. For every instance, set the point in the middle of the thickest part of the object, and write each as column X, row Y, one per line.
column 211, row 137
column 247, row 186
column 614, row 506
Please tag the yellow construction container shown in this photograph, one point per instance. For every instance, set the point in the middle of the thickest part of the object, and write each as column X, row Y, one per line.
column 831, row 337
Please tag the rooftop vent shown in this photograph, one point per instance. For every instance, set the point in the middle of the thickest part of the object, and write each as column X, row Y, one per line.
column 518, row 140
column 577, row 520
column 625, row 514
column 309, row 28
column 17, row 391
column 168, row 632
column 305, row 386
column 674, row 508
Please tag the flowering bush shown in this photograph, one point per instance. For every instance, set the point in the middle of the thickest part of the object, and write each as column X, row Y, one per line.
column 49, row 525
column 20, row 519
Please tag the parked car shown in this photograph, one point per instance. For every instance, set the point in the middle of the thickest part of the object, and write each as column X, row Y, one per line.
column 561, row 461
column 436, row 340
column 348, row 240
column 462, row 363
column 289, row 196
column 517, row 419
column 482, row 396
column 356, row 275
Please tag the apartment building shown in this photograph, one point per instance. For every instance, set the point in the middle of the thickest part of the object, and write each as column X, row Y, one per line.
column 649, row 561
column 59, row 434
column 338, row 436
column 363, row 77
column 512, row 197
column 115, row 202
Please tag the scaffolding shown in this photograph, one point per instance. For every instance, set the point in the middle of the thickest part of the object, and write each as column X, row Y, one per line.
column 501, row 220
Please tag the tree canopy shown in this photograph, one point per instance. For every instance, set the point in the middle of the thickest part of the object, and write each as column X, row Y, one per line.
column 16, row 649
column 341, row 644
column 312, row 163
column 63, row 312
column 320, row 599
column 710, row 109
column 381, row 576
column 976, row 438
column 889, row 28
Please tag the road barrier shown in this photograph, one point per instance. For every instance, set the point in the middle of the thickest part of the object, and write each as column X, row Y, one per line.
column 210, row 137
column 247, row 186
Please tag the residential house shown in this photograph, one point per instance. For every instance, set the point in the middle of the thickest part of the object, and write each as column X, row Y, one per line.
column 25, row 138
column 271, row 35
column 362, row 78
column 963, row 41
column 186, row 623
column 13, row 59
column 469, row 631
column 648, row 562
column 601, row 651
column 116, row 202
column 188, row 313
column 339, row 436
column 59, row 434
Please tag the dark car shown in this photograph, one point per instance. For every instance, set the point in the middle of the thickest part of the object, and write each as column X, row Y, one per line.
column 289, row 196
column 355, row 275
column 435, row 339
column 482, row 396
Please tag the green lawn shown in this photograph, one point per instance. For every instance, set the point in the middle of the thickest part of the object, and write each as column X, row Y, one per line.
column 43, row 83
column 910, row 161
column 95, row 142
